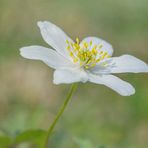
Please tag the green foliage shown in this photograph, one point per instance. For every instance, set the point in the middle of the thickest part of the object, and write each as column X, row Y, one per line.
column 36, row 137
column 32, row 137
column 5, row 141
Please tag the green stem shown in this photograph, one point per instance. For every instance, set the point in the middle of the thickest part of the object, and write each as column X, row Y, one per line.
column 49, row 132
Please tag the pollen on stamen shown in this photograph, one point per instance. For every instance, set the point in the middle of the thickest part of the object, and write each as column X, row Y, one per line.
column 86, row 66
column 101, row 52
column 85, row 45
column 86, row 55
column 93, row 65
column 94, row 51
column 90, row 43
column 67, row 42
column 98, row 60
column 77, row 41
column 100, row 46
column 68, row 47
column 71, row 54
column 75, row 60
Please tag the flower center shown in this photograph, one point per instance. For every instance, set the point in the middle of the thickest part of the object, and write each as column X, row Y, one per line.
column 86, row 54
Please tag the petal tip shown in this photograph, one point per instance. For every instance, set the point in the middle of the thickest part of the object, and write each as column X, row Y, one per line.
column 129, row 92
column 39, row 23
column 55, row 82
column 22, row 52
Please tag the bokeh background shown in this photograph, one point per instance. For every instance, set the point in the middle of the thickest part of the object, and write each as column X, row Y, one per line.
column 96, row 115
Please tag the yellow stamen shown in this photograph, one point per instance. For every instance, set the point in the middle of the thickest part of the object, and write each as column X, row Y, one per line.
column 67, row 41
column 77, row 41
column 86, row 66
column 101, row 52
column 100, row 46
column 90, row 43
column 75, row 60
column 71, row 54
column 85, row 44
column 68, row 48
column 86, row 55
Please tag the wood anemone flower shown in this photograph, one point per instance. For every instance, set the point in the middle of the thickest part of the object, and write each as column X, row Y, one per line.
column 81, row 61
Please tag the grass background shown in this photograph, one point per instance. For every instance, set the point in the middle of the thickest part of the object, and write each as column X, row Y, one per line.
column 96, row 115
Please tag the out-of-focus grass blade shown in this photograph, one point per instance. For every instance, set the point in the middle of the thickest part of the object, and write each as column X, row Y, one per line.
column 36, row 137
column 5, row 141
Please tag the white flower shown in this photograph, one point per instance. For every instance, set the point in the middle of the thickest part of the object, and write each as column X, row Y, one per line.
column 88, row 60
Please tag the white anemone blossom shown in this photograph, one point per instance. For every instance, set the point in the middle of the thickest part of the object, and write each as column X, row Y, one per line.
column 89, row 60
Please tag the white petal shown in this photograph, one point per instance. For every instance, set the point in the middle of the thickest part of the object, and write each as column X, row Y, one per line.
column 55, row 37
column 97, row 41
column 118, row 85
column 48, row 56
column 128, row 63
column 103, row 67
column 70, row 76
column 98, row 69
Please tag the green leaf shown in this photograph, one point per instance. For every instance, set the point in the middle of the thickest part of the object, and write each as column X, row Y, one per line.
column 5, row 141
column 36, row 137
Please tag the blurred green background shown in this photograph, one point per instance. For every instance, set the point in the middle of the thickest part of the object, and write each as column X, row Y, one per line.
column 96, row 115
